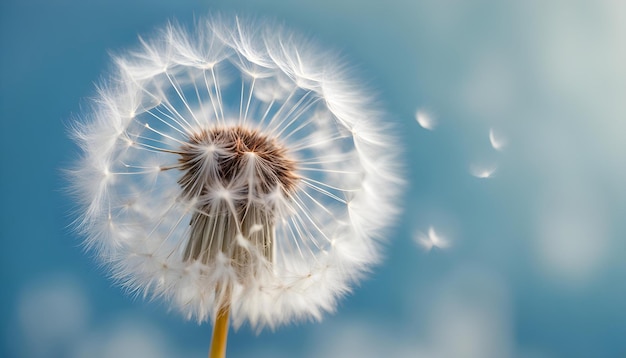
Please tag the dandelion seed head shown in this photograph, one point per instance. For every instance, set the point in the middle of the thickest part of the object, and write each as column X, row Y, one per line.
column 235, row 161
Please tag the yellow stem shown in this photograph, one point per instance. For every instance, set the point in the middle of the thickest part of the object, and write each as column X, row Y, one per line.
column 220, row 333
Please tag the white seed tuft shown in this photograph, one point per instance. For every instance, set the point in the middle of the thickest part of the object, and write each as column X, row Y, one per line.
column 235, row 161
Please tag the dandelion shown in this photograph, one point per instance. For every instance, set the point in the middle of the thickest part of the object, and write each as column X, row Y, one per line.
column 235, row 172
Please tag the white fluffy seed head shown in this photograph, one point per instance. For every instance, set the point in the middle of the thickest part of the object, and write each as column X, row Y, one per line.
column 235, row 163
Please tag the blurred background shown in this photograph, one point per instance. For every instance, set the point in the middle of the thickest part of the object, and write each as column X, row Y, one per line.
column 512, row 242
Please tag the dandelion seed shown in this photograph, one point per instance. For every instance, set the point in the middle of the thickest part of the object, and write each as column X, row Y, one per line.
column 497, row 141
column 431, row 240
column 482, row 171
column 234, row 171
column 425, row 120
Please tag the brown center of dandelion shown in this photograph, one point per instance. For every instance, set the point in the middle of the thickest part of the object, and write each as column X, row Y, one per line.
column 241, row 160
column 234, row 174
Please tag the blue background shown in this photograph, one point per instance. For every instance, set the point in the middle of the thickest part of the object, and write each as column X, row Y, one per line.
column 536, row 265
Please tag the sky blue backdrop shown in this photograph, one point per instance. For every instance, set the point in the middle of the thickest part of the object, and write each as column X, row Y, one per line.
column 536, row 267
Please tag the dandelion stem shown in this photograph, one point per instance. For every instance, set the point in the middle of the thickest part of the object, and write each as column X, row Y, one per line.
column 220, row 333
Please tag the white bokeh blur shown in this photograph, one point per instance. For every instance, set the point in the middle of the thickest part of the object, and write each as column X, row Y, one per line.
column 572, row 232
column 127, row 337
column 51, row 312
column 466, row 315
column 54, row 319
